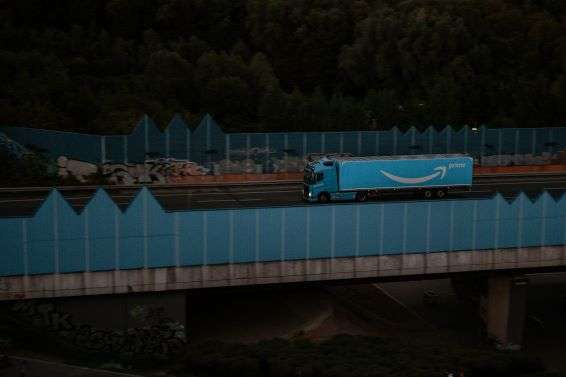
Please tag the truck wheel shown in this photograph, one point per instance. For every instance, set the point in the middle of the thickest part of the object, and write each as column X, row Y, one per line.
column 440, row 193
column 361, row 196
column 323, row 197
column 427, row 194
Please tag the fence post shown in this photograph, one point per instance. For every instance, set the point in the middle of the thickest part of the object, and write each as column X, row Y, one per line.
column 381, row 238
column 102, row 149
column 499, row 146
column 167, row 147
column 209, row 159
column 188, row 144
column 474, row 226
column 86, row 239
column 116, row 238
column 498, row 200
column 543, row 220
column 25, row 246
column 516, row 150
column 304, row 145
column 227, row 146
column 146, row 135
column 482, row 145
column 520, row 220
column 248, row 146
column 286, row 147
column 267, row 150
column 144, row 193
column 55, row 220
column 394, row 140
column 283, row 244
column 413, row 139
column 431, row 133
column 125, row 144
column 176, row 235
column 466, row 135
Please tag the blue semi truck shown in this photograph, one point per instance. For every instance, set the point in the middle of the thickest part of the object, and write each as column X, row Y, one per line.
column 359, row 178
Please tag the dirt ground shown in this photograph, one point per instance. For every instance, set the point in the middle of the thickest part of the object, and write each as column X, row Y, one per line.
column 317, row 313
column 386, row 309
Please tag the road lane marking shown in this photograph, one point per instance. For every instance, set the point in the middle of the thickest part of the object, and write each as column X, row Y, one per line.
column 42, row 199
column 215, row 200
column 514, row 183
column 22, row 200
column 228, row 200
column 228, row 193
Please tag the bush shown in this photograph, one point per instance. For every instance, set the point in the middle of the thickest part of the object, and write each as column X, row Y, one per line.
column 344, row 356
column 30, row 169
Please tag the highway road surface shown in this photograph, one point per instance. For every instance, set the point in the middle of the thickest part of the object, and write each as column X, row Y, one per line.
column 23, row 202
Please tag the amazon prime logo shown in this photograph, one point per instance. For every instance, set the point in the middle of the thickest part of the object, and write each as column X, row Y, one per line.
column 439, row 171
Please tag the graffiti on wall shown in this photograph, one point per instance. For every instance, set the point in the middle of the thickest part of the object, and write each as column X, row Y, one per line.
column 518, row 159
column 170, row 170
column 253, row 152
column 162, row 170
column 249, row 166
column 79, row 170
column 161, row 338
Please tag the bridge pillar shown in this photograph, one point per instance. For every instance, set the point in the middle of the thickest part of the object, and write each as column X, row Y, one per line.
column 505, row 310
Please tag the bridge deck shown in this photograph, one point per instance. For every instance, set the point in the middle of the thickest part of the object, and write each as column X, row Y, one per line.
column 195, row 277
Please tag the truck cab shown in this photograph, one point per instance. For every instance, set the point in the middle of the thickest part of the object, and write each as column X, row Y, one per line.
column 320, row 181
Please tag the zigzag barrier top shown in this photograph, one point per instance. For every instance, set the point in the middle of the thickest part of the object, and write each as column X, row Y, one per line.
column 102, row 237
column 208, row 142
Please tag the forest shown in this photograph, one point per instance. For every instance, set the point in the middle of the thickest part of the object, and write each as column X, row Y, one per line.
column 96, row 66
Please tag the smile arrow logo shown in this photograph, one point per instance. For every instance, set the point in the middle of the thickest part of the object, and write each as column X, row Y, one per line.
column 439, row 171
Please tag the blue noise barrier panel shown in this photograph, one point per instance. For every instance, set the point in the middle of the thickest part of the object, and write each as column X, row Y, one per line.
column 102, row 237
column 208, row 143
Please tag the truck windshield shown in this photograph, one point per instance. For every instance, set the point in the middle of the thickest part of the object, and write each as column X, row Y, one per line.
column 309, row 177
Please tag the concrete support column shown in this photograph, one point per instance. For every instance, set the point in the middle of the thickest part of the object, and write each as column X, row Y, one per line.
column 505, row 310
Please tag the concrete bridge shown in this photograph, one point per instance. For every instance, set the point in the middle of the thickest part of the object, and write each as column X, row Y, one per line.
column 104, row 250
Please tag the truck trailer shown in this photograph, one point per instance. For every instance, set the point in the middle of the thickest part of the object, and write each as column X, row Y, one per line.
column 359, row 178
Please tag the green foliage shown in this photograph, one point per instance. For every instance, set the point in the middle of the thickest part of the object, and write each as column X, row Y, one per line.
column 32, row 169
column 279, row 65
column 345, row 356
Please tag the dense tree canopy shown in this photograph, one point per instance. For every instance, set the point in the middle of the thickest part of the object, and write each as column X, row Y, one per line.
column 97, row 65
